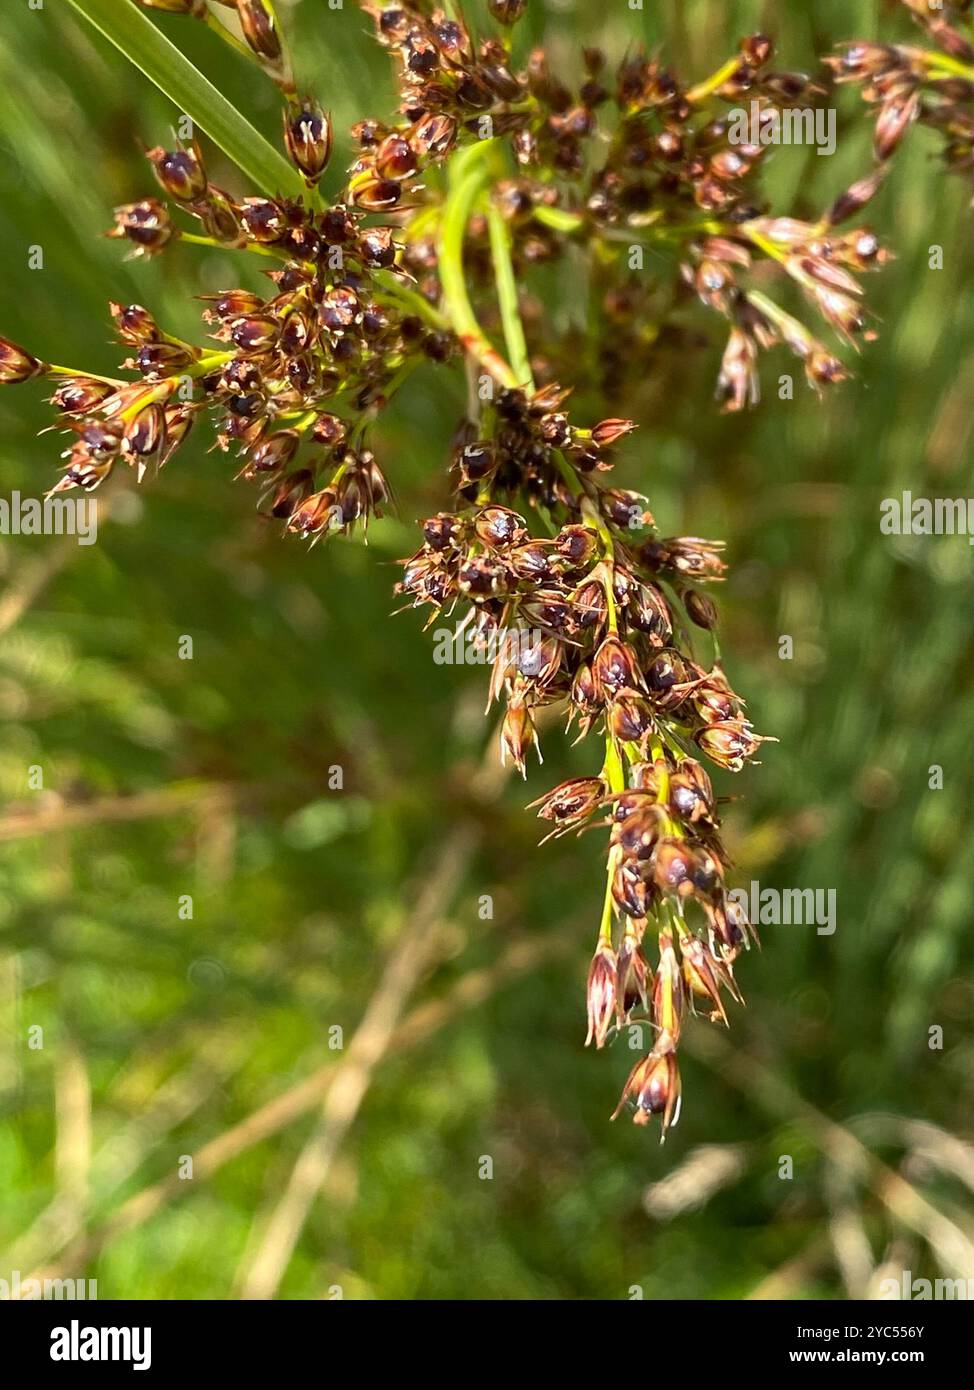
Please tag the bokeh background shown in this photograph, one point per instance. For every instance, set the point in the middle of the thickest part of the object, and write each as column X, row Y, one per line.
column 317, row 1167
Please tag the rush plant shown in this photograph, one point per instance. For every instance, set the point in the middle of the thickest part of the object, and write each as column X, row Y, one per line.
column 492, row 166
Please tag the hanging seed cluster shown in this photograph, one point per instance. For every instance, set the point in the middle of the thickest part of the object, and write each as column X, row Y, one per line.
column 493, row 165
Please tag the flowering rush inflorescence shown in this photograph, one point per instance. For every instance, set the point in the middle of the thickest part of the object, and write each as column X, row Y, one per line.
column 489, row 168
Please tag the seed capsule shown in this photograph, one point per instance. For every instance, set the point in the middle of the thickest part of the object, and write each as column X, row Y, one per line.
column 308, row 139
column 377, row 248
column 517, row 735
column 571, row 802
column 339, row 309
column 275, row 452
column 179, row 421
column 16, row 365
column 256, row 333
column 180, row 172
column 630, row 716
column 615, row 668
column 263, row 221
column 218, row 214
column 705, row 975
column 632, row 977
column 374, row 194
column 146, row 224
column 292, row 491
column 499, row 527
column 507, row 11
column 701, row 609
column 638, row 835
column 145, row 434
column 156, row 360
column 79, row 395
column 395, row 158
column 260, row 30
column 630, row 891
column 601, row 994
column 315, row 514
column 653, row 1088
column 133, row 324
column 729, row 743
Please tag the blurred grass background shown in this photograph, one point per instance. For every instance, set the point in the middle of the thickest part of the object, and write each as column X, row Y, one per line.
column 210, row 777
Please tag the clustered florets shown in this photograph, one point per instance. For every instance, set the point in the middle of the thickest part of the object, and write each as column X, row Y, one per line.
column 584, row 607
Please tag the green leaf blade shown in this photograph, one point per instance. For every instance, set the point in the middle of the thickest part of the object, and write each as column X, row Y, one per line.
column 134, row 34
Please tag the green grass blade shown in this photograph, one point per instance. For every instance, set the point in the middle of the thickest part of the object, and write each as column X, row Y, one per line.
column 147, row 47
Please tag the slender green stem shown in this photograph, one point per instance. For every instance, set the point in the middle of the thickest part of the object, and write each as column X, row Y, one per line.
column 500, row 249
column 469, row 178
column 948, row 65
column 393, row 288
column 55, row 369
column 716, row 80
column 558, row 219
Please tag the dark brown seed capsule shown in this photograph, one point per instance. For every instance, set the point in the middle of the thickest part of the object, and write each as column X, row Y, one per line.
column 233, row 304
column 443, row 531
column 155, row 360
column 145, row 434
column 133, row 324
column 259, row 29
column 639, row 833
column 701, row 609
column 591, row 605
column 146, row 224
column 257, row 333
column 376, row 194
column 653, row 1088
column 615, row 668
column 339, row 309
column 275, row 452
column 629, row 890
column 507, row 11
column 576, row 543
column 547, row 608
column 308, row 139
column 291, row 491
column 377, row 248
column 102, row 441
column 180, row 172
column 329, row 430
column 477, row 461
column 728, row 743
column 262, row 220
column 630, row 716
column 395, row 158
column 16, row 365
column 499, row 526
column 315, row 514
column 571, row 801
column 78, row 395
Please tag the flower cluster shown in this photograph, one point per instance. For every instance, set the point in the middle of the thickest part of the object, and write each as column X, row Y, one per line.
column 907, row 84
column 594, row 618
column 488, row 168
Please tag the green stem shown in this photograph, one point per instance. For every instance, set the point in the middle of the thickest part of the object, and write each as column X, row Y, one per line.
column 392, row 288
column 195, row 239
column 468, row 180
column 500, row 249
column 558, row 219
column 716, row 80
column 55, row 369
